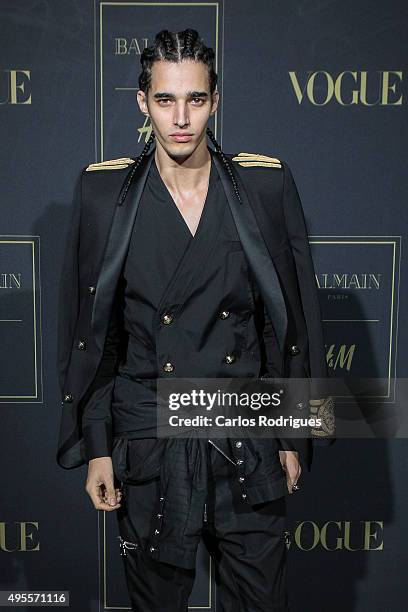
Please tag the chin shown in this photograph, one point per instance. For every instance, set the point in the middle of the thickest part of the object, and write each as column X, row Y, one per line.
column 181, row 148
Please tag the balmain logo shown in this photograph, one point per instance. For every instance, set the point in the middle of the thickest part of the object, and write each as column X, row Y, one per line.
column 128, row 46
column 348, row 281
column 9, row 280
column 348, row 88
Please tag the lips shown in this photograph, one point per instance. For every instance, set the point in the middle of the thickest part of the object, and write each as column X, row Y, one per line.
column 181, row 137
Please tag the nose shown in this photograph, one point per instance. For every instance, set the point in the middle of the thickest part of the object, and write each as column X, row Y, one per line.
column 181, row 118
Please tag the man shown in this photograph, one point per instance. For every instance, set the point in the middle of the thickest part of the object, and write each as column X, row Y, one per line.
column 212, row 277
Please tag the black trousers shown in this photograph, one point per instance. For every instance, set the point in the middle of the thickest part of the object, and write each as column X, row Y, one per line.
column 246, row 545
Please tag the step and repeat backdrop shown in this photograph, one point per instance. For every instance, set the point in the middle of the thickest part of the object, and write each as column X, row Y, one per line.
column 318, row 84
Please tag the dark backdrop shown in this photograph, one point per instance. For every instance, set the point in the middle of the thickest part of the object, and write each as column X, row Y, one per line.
column 318, row 84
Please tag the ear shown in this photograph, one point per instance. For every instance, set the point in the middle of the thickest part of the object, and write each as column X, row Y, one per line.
column 215, row 100
column 142, row 102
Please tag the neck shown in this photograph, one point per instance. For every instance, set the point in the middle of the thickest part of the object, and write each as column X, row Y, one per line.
column 184, row 172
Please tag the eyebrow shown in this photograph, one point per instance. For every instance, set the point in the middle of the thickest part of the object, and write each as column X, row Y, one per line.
column 189, row 94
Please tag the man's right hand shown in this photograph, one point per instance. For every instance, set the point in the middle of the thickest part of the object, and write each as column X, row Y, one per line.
column 99, row 485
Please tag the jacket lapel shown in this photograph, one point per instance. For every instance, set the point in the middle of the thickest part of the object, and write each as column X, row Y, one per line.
column 251, row 238
column 115, row 251
column 256, row 251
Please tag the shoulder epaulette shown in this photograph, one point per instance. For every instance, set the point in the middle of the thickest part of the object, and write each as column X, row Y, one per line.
column 111, row 164
column 255, row 159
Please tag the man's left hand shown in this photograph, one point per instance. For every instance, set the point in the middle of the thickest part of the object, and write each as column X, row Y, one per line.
column 290, row 463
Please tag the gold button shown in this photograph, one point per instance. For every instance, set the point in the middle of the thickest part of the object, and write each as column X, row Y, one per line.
column 92, row 289
column 294, row 350
column 167, row 319
column 224, row 314
column 168, row 367
column 230, row 358
column 82, row 345
column 68, row 398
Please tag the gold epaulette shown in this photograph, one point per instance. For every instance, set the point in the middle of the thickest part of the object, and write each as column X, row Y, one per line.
column 111, row 164
column 255, row 159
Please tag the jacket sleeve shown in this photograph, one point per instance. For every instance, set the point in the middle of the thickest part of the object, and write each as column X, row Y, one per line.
column 299, row 241
column 272, row 367
column 96, row 405
column 68, row 294
column 85, row 428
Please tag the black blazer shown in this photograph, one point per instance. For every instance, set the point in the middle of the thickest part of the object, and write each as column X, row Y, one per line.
column 272, row 229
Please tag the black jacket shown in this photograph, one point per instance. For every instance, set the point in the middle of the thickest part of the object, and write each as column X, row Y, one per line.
column 272, row 230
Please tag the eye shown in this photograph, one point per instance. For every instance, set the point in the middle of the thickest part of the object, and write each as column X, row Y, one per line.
column 198, row 100
column 164, row 100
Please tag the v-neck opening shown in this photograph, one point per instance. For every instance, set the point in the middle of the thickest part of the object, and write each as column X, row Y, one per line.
column 205, row 206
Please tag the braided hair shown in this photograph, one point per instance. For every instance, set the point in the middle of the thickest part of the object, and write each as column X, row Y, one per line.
column 175, row 47
column 226, row 163
column 131, row 174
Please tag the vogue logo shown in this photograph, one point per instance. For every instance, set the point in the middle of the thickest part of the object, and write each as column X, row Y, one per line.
column 337, row 535
column 348, row 88
column 15, row 87
column 19, row 536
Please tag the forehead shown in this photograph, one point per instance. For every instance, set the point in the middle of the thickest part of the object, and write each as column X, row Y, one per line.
column 179, row 77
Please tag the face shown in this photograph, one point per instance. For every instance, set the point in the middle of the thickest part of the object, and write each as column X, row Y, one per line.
column 179, row 104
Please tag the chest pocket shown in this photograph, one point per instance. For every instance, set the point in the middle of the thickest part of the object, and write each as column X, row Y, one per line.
column 237, row 275
column 239, row 298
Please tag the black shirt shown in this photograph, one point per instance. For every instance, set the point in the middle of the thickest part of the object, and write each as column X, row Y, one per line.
column 189, row 303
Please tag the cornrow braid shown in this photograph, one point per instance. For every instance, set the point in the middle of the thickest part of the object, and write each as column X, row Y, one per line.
column 188, row 43
column 167, row 42
column 225, row 162
column 176, row 47
column 125, row 188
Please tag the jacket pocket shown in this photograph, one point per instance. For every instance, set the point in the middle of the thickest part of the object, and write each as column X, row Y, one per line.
column 137, row 460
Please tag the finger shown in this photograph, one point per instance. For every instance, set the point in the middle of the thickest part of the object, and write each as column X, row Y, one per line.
column 118, row 495
column 107, row 507
column 110, row 493
column 289, row 483
column 98, row 501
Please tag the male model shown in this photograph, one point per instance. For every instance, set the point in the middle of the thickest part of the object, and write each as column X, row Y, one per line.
column 187, row 262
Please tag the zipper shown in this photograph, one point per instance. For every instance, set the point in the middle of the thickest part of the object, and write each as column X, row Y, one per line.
column 222, row 452
column 124, row 544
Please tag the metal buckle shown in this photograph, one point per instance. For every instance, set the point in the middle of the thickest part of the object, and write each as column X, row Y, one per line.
column 125, row 544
